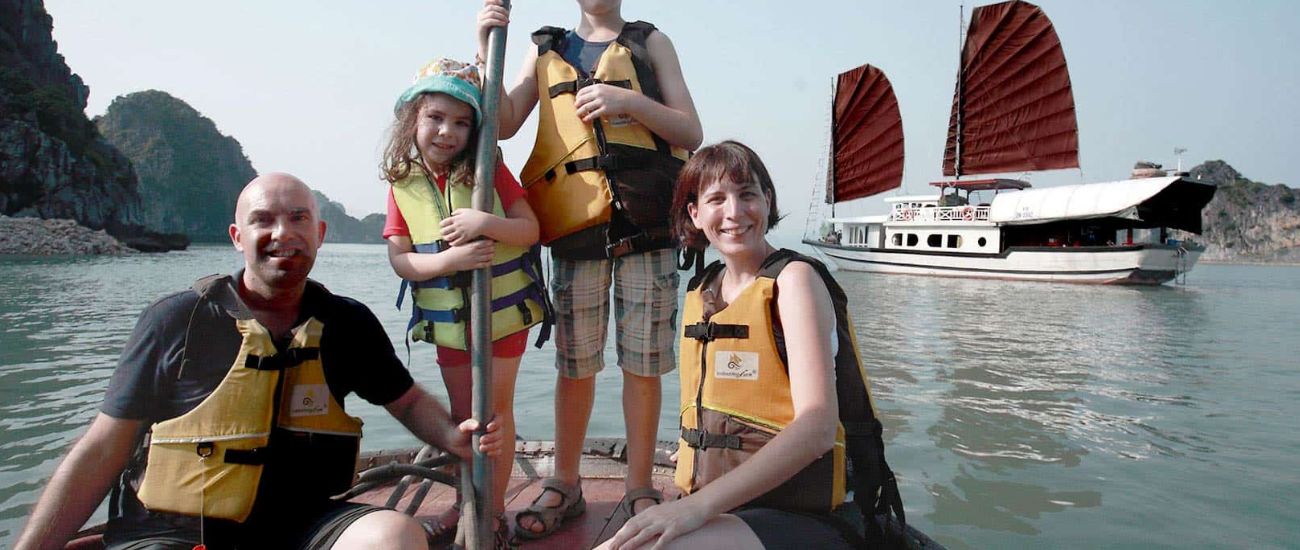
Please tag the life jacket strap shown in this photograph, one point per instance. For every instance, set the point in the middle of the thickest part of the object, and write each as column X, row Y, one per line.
column 291, row 357
column 463, row 279
column 253, row 457
column 707, row 331
column 572, row 86
column 699, row 439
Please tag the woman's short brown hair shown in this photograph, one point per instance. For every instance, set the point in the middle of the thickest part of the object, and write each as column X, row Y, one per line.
column 728, row 160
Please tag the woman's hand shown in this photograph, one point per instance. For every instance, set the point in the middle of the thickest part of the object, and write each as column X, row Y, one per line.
column 660, row 524
column 492, row 15
column 603, row 100
column 464, row 225
column 469, row 256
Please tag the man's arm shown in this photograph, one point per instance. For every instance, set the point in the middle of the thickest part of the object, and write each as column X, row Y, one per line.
column 80, row 483
column 425, row 417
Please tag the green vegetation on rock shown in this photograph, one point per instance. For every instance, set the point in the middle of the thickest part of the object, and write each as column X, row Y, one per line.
column 190, row 174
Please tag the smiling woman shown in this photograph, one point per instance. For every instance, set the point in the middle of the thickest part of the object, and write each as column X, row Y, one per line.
column 771, row 385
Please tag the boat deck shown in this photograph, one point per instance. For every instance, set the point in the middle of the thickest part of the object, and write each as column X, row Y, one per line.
column 602, row 487
column 603, row 470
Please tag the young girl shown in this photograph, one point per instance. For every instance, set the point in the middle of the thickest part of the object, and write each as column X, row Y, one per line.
column 773, row 396
column 436, row 238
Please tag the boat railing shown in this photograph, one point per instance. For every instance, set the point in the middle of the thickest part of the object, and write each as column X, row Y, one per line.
column 964, row 213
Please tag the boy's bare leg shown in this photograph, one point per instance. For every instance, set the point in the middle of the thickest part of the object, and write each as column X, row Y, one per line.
column 642, row 398
column 573, row 401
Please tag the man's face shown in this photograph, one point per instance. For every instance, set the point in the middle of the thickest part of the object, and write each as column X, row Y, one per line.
column 277, row 230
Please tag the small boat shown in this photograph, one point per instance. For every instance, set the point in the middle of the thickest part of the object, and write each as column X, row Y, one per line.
column 1013, row 111
column 415, row 482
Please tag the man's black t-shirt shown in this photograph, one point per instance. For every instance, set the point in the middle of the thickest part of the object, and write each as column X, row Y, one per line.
column 156, row 379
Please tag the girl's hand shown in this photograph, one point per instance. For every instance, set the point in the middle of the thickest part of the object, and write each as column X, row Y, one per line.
column 664, row 522
column 603, row 100
column 470, row 256
column 464, row 225
column 493, row 14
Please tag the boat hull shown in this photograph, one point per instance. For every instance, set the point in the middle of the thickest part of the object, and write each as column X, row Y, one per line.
column 1146, row 264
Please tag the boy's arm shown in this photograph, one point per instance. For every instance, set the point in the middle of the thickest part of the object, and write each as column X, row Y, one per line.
column 80, row 483
column 675, row 119
column 518, row 101
column 681, row 126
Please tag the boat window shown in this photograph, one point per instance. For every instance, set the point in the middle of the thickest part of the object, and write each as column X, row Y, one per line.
column 982, row 242
column 898, row 239
column 954, row 241
column 911, row 239
column 934, row 240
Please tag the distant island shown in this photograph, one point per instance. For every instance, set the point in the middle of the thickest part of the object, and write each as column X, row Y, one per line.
column 1248, row 221
column 154, row 173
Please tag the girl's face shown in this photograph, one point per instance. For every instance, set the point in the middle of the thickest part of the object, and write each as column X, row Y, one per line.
column 733, row 216
column 443, row 129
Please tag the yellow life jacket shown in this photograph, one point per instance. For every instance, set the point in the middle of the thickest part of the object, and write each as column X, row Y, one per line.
column 735, row 397
column 441, row 304
column 580, row 174
column 209, row 461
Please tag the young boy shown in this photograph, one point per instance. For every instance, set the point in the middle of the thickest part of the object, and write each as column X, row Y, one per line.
column 615, row 124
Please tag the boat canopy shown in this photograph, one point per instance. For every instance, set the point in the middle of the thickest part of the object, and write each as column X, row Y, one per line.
column 866, row 136
column 1174, row 202
column 994, row 184
column 1013, row 109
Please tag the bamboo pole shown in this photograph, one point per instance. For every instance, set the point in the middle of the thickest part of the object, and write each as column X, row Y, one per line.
column 478, row 506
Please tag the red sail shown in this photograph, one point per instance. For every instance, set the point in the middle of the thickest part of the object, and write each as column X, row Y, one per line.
column 1013, row 109
column 866, row 136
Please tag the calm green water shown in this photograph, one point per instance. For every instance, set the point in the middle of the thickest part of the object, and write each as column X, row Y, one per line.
column 1018, row 414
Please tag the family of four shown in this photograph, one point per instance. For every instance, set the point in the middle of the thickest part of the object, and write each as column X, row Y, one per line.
column 224, row 425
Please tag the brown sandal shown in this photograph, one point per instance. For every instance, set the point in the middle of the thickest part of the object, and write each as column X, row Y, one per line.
column 571, row 506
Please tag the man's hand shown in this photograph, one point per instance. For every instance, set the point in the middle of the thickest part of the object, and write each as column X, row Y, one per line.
column 458, row 439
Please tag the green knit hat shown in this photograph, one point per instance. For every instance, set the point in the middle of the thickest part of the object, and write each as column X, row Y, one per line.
column 446, row 76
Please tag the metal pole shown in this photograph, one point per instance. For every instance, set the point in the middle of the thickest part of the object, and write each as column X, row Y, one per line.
column 479, row 506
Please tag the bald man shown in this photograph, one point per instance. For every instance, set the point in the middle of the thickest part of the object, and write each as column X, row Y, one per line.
column 238, row 384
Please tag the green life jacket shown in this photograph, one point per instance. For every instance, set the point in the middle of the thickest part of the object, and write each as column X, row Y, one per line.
column 441, row 304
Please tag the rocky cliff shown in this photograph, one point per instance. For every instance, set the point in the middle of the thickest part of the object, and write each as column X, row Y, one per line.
column 343, row 228
column 189, row 172
column 53, row 162
column 1248, row 221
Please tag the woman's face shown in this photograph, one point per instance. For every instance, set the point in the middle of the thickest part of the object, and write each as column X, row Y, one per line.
column 733, row 216
column 443, row 129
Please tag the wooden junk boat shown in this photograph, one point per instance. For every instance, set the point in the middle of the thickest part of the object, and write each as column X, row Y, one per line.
column 1012, row 112
column 411, row 481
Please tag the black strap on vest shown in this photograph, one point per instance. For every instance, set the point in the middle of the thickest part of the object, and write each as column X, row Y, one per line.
column 708, row 331
column 698, row 439
column 291, row 357
column 253, row 457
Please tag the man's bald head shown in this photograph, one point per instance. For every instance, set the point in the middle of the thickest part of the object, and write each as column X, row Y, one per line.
column 275, row 182
column 278, row 229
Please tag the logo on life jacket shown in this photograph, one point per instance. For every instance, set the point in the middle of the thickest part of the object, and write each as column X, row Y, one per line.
column 736, row 365
column 309, row 400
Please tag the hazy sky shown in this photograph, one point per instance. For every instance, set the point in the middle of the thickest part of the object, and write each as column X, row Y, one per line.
column 308, row 87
